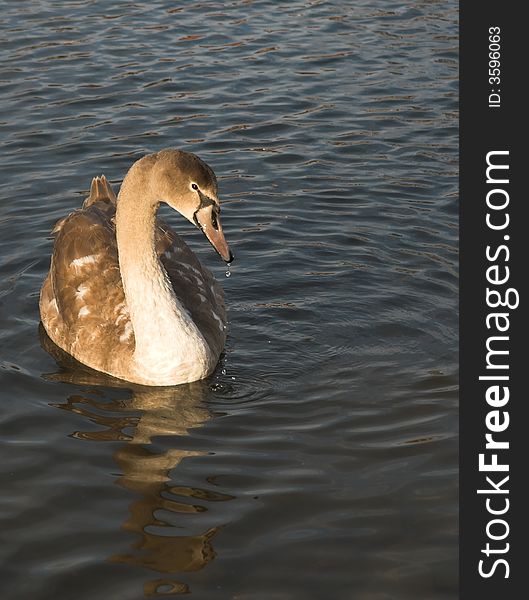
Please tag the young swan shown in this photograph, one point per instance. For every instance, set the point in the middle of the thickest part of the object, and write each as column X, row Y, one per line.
column 124, row 294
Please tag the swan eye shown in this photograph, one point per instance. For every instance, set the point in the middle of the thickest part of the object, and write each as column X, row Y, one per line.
column 194, row 186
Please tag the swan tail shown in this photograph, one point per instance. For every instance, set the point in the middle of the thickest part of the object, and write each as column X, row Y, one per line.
column 100, row 190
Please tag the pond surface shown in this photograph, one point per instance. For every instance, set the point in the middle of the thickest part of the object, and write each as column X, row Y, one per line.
column 320, row 460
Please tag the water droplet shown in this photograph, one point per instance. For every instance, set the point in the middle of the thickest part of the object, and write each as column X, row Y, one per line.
column 228, row 274
column 223, row 371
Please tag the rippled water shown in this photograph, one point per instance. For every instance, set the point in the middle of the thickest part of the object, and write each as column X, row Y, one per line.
column 320, row 461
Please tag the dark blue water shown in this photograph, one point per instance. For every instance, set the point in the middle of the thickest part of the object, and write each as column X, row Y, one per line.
column 320, row 461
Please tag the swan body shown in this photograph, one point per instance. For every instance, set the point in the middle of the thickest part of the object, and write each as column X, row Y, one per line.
column 124, row 294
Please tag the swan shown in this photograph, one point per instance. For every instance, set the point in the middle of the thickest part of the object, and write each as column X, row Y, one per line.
column 124, row 294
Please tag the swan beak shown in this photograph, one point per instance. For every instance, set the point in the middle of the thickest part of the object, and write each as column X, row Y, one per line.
column 209, row 220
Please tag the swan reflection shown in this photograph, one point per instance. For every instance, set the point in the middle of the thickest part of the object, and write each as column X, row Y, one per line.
column 149, row 472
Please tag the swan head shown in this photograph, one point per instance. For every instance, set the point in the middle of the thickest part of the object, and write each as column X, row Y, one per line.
column 189, row 185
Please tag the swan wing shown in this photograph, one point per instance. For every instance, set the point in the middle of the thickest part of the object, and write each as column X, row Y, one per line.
column 82, row 302
column 194, row 286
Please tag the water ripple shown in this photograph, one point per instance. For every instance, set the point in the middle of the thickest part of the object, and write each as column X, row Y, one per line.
column 327, row 435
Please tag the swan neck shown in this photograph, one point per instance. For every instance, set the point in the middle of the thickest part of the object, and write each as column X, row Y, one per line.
column 165, row 335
